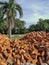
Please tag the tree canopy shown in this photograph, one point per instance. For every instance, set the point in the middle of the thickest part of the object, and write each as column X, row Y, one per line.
column 42, row 25
column 9, row 9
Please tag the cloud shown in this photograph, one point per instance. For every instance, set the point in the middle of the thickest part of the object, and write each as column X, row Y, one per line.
column 20, row 1
column 36, row 10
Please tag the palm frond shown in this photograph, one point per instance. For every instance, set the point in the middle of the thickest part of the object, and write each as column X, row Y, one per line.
column 2, row 3
column 5, row 7
column 2, row 12
column 11, row 1
column 19, row 9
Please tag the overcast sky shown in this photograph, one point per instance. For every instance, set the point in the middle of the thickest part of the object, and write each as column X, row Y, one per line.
column 33, row 10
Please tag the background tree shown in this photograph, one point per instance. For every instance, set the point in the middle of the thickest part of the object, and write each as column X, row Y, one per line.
column 10, row 10
column 19, row 27
column 42, row 25
column 32, row 27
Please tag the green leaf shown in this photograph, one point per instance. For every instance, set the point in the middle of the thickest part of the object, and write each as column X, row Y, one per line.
column 19, row 9
column 2, row 3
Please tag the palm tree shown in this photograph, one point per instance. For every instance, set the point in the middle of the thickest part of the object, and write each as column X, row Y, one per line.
column 9, row 9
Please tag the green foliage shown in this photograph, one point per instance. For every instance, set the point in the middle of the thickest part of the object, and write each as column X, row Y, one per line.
column 2, row 27
column 19, row 27
column 19, row 23
column 32, row 28
column 10, row 9
column 42, row 25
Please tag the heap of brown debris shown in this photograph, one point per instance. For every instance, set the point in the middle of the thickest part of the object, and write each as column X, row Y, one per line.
column 33, row 48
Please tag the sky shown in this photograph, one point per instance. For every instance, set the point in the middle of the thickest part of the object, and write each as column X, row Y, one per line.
column 33, row 10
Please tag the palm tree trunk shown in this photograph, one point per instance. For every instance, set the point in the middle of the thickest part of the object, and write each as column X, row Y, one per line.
column 9, row 29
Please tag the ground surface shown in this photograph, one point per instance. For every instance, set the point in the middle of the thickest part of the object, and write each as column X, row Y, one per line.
column 18, row 36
